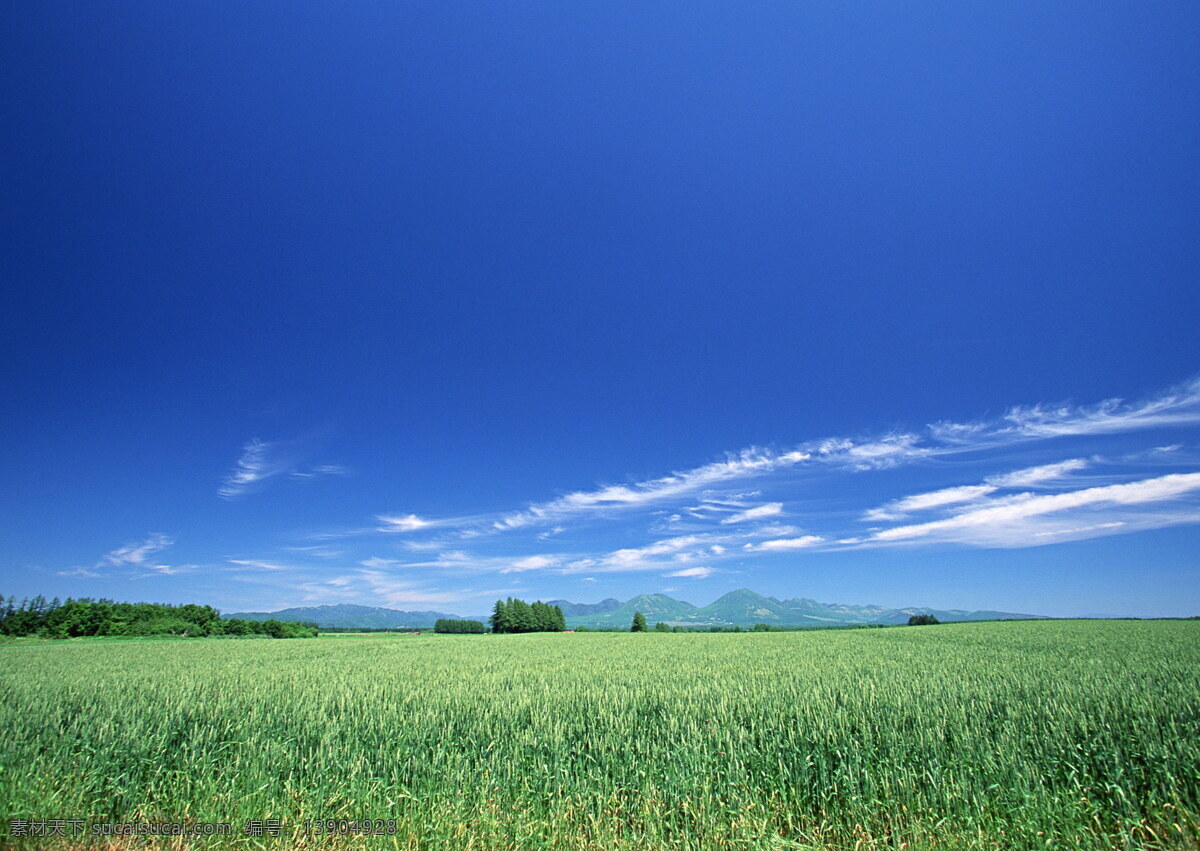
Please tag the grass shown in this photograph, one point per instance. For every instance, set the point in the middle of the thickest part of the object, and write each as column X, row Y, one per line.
column 1064, row 735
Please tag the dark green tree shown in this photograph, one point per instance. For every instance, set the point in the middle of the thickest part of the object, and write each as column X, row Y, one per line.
column 639, row 623
column 543, row 617
column 662, row 626
column 922, row 620
column 500, row 620
column 522, row 616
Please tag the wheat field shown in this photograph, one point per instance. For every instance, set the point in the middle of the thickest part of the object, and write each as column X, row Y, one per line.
column 1064, row 735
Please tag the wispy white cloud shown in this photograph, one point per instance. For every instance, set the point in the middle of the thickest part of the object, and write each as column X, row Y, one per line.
column 169, row 570
column 1175, row 407
column 80, row 571
column 745, row 464
column 769, row 509
column 693, row 572
column 1027, row 477
column 318, row 552
column 404, row 523
column 923, row 501
column 779, row 545
column 1018, row 520
column 530, row 563
column 460, row 560
column 881, row 454
column 694, row 520
column 941, row 440
column 392, row 591
column 262, row 461
column 648, row 557
column 136, row 554
column 260, row 565
column 253, row 468
column 375, row 562
column 1037, row 475
column 319, row 470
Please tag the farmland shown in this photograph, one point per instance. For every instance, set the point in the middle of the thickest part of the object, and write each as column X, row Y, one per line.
column 988, row 735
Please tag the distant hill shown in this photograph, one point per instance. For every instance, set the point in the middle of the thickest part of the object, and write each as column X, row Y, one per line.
column 742, row 607
column 656, row 607
column 570, row 609
column 349, row 617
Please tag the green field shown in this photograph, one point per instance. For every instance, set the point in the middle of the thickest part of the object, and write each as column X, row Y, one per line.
column 989, row 735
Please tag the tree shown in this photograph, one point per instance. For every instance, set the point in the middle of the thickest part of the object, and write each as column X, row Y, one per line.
column 639, row 623
column 662, row 626
column 522, row 616
column 922, row 620
column 543, row 617
column 499, row 619
column 514, row 615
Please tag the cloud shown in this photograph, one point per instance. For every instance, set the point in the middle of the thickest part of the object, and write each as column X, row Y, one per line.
column 168, row 570
column 1174, row 407
column 661, row 554
column 252, row 469
column 402, row 592
column 730, row 508
column 407, row 523
column 79, row 571
column 260, row 565
column 693, row 572
column 753, row 462
column 785, row 544
column 644, row 558
column 880, row 454
column 1027, row 477
column 461, row 560
column 920, row 502
column 318, row 552
column 319, row 470
column 770, row 509
column 938, row 441
column 1016, row 521
column 375, row 562
column 1036, row 475
column 530, row 563
column 262, row 461
column 136, row 554
column 750, row 462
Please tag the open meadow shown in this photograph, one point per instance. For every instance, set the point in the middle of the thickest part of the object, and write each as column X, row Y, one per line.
column 1081, row 734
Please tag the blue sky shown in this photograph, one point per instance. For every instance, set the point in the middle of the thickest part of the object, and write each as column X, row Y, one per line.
column 420, row 305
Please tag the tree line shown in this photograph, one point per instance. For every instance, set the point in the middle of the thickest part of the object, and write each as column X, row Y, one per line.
column 458, row 626
column 518, row 616
column 86, row 617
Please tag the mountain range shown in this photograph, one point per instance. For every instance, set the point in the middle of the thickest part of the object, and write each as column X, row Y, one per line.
column 737, row 608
